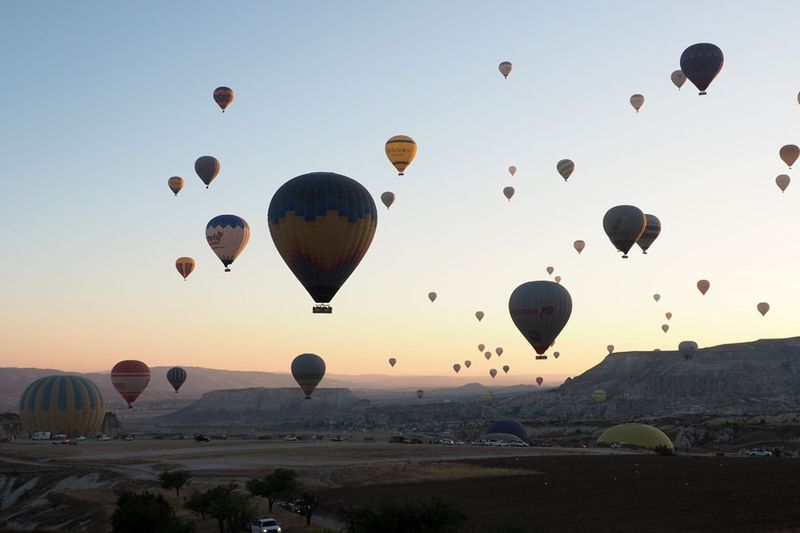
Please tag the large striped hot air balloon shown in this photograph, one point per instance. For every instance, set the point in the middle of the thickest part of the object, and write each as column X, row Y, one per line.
column 322, row 225
column 308, row 369
column 223, row 96
column 540, row 310
column 176, row 377
column 207, row 168
column 401, row 151
column 227, row 235
column 651, row 232
column 185, row 266
column 72, row 405
column 130, row 378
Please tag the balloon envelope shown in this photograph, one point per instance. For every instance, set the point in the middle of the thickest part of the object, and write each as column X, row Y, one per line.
column 223, row 96
column 763, row 307
column 308, row 369
column 624, row 224
column 665, row 327
column 401, row 151
column 651, row 232
column 550, row 270
column 207, row 168
column 227, row 235
column 701, row 63
column 467, row 363
column 678, row 78
column 387, row 198
column 175, row 184
column 782, row 181
column 487, row 355
column 493, row 372
column 599, row 395
column 130, row 378
column 506, row 368
column 579, row 245
column 61, row 403
column 656, row 297
column 565, row 167
column 668, row 315
column 176, row 377
column 789, row 154
column 556, row 354
column 610, row 348
column 703, row 285
column 481, row 347
column 420, row 393
column 540, row 310
column 322, row 225
column 498, row 351
column 185, row 266
column 505, row 68
column 637, row 100
column 687, row 349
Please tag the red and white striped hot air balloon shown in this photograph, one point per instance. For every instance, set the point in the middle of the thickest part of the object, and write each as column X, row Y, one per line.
column 130, row 378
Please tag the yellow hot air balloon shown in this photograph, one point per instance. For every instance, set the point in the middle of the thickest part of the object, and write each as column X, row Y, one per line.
column 401, row 151
column 782, row 182
column 763, row 307
column 175, row 184
column 579, row 245
column 505, row 68
column 508, row 192
column 512, row 170
column 185, row 266
column 703, row 285
column 637, row 100
column 565, row 167
column 789, row 154
column 599, row 395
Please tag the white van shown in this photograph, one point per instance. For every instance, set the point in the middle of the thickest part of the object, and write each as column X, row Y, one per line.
column 40, row 435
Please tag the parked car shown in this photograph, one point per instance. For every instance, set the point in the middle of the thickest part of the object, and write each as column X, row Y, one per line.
column 290, row 437
column 758, row 452
column 103, row 437
column 298, row 506
column 130, row 437
column 202, row 438
column 265, row 525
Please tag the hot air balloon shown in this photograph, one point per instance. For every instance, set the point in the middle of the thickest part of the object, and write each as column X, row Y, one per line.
column 565, row 167
column 624, row 224
column 308, row 369
column 678, row 78
column 703, row 285
column 401, row 151
column 322, row 225
column 687, row 349
column 668, row 315
column 540, row 310
column 512, row 170
column 539, row 381
column 392, row 361
column 227, row 235
column 637, row 100
column 61, row 403
column 479, row 315
column 223, row 96
column 610, row 348
column 493, row 372
column 481, row 347
column 701, row 63
column 556, row 354
column 130, row 378
column 505, row 68
column 665, row 327
column 557, row 279
column 467, row 363
column 185, row 266
column 176, row 376
column 650, row 234
column 207, row 168
column 550, row 270
column 487, row 355
column 420, row 393
column 789, row 154
column 432, row 296
column 656, row 297
column 579, row 246
column 506, row 368
column 175, row 184
column 599, row 395
column 457, row 368
column 782, row 182
column 387, row 198
column 508, row 192
column 763, row 307
column 498, row 351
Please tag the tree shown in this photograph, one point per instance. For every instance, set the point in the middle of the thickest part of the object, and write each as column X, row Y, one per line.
column 198, row 503
column 312, row 502
column 174, row 479
column 146, row 511
column 282, row 483
column 428, row 516
column 229, row 506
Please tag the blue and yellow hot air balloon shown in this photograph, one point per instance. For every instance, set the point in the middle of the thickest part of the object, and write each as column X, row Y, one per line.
column 72, row 405
column 322, row 225
column 227, row 235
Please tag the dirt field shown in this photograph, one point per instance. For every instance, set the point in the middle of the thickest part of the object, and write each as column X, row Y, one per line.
column 555, row 489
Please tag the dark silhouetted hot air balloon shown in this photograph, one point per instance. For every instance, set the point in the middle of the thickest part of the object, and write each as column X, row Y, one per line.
column 432, row 296
column 387, row 198
column 703, row 285
column 665, row 327
column 130, row 378
column 185, row 266
column 678, row 78
column 610, row 348
column 565, row 167
column 650, row 234
column 481, row 347
column 556, row 354
column 207, row 168
column 512, row 170
column 637, row 100
column 176, row 376
column 539, row 381
column 227, row 235
column 789, row 154
column 579, row 246
column 487, row 355
column 540, row 310
column 467, row 363
column 687, row 349
column 401, row 151
column 624, row 224
column 763, row 307
column 223, row 96
column 508, row 192
column 506, row 368
column 493, row 372
column 392, row 361
column 498, row 351
column 420, row 393
column 550, row 270
column 656, row 297
column 72, row 405
column 668, row 315
column 322, row 225
column 457, row 368
column 701, row 63
column 479, row 315
column 505, row 68
column 782, row 182
column 175, row 184
column 308, row 369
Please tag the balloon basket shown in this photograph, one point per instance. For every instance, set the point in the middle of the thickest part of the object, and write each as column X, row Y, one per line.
column 541, row 357
column 322, row 309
